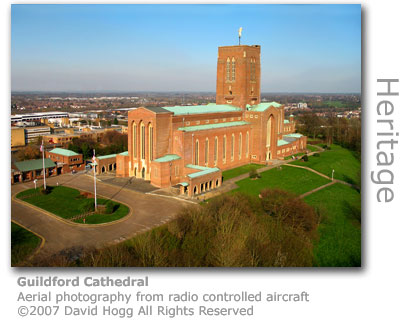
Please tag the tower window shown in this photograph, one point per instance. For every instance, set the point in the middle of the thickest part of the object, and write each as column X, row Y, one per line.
column 228, row 69
column 233, row 70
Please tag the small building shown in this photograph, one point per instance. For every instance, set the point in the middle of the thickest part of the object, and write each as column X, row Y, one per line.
column 66, row 160
column 106, row 163
column 22, row 171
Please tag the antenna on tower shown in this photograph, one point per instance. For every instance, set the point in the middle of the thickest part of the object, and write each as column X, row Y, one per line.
column 240, row 29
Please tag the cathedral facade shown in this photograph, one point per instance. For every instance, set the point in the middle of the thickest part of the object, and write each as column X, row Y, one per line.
column 190, row 146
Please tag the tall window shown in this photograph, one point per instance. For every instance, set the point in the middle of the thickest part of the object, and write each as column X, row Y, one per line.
column 233, row 69
column 253, row 69
column 268, row 132
column 134, row 139
column 247, row 144
column 216, row 149
column 150, row 142
column 240, row 146
column 142, row 141
column 206, row 151
column 232, row 147
column 197, row 152
column 224, row 148
column 228, row 69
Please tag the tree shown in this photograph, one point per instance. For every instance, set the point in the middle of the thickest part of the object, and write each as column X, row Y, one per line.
column 115, row 121
column 310, row 124
column 27, row 153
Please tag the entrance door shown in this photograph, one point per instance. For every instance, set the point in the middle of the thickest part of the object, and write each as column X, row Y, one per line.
column 143, row 173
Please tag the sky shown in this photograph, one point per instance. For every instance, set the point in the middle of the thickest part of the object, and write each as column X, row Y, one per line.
column 304, row 48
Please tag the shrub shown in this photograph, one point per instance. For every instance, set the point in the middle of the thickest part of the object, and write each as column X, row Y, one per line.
column 46, row 190
column 287, row 208
column 305, row 158
column 109, row 207
column 253, row 174
column 87, row 206
column 316, row 154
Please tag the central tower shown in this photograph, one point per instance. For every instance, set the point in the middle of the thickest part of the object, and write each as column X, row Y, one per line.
column 238, row 75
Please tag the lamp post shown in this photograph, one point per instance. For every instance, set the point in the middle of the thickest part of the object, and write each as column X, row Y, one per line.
column 333, row 174
column 35, row 184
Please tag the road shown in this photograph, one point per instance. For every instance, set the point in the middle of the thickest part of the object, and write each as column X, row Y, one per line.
column 147, row 211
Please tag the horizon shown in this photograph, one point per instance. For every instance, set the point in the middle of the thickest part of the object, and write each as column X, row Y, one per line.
column 166, row 48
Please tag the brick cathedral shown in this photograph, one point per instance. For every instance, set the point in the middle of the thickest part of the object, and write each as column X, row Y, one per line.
column 189, row 146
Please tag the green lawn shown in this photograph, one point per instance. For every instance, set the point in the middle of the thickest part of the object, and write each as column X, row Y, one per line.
column 23, row 244
column 346, row 166
column 292, row 179
column 228, row 174
column 311, row 148
column 339, row 243
column 67, row 203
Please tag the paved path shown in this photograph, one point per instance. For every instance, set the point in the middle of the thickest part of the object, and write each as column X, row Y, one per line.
column 322, row 175
column 147, row 211
column 309, row 169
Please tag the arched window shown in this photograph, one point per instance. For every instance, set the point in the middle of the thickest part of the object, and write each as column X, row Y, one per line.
column 268, row 132
column 216, row 148
column 232, row 147
column 197, row 152
column 224, row 148
column 150, row 142
column 240, row 146
column 228, row 69
column 142, row 141
column 134, row 139
column 233, row 69
column 247, row 144
column 206, row 151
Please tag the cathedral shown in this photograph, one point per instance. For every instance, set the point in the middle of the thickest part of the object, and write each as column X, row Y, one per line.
column 190, row 146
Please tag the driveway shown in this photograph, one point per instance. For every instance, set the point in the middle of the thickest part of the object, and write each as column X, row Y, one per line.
column 147, row 211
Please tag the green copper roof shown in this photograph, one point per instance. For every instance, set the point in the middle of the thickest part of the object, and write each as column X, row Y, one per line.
column 107, row 156
column 167, row 158
column 286, row 121
column 281, row 143
column 294, row 135
column 185, row 184
column 209, row 108
column 262, row 106
column 203, row 170
column 36, row 164
column 213, row 126
column 125, row 153
column 64, row 152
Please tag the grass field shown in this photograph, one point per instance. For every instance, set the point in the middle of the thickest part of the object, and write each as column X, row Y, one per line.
column 292, row 179
column 340, row 231
column 311, row 148
column 346, row 166
column 228, row 174
column 23, row 244
column 67, row 203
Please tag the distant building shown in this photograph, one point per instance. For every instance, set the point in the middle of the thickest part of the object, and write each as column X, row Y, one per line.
column 18, row 137
column 302, row 105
